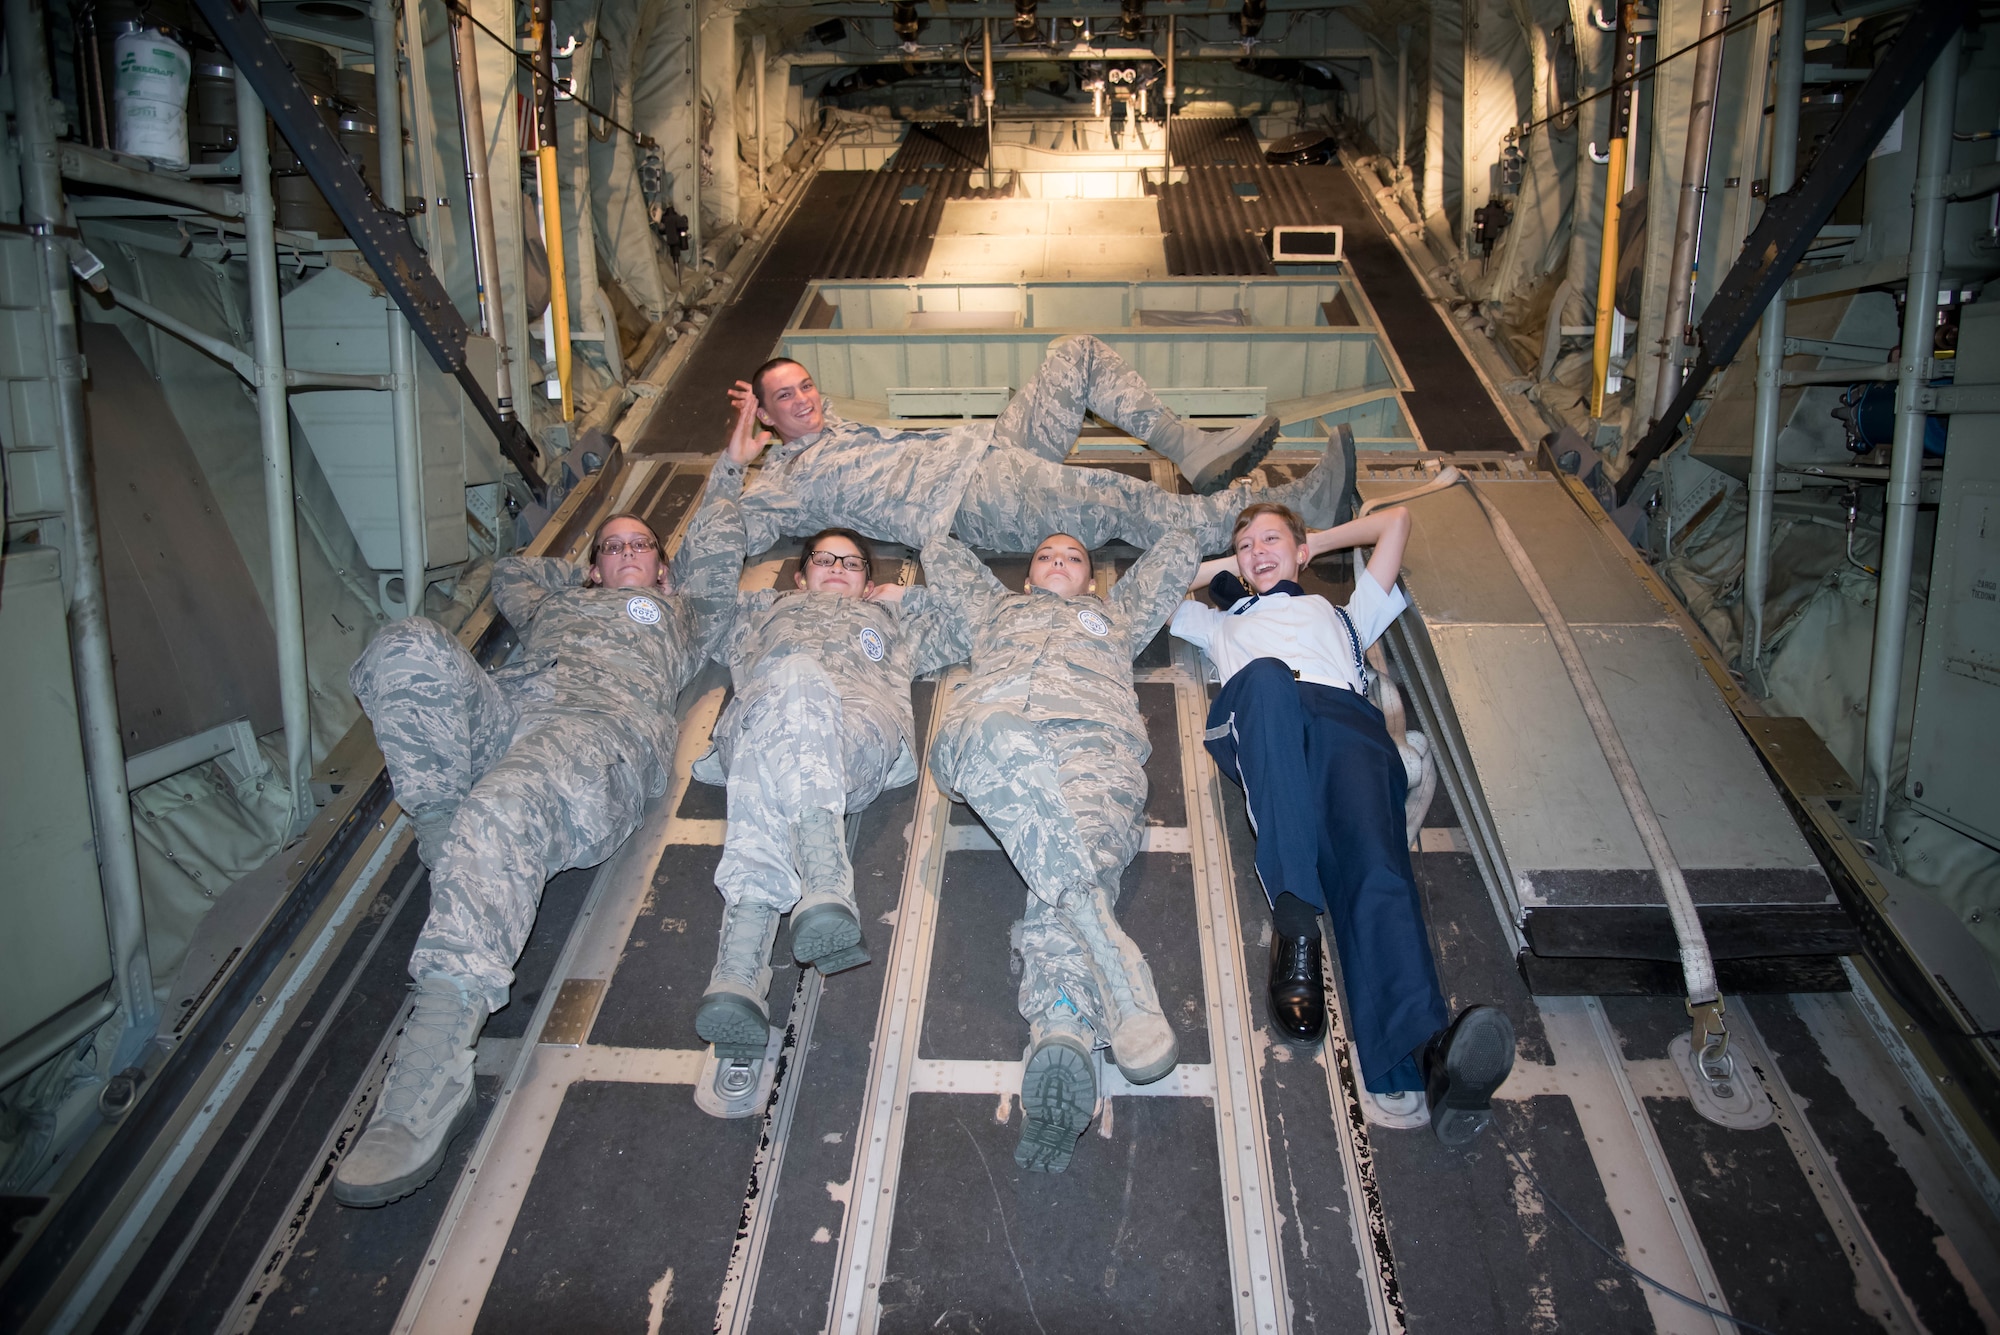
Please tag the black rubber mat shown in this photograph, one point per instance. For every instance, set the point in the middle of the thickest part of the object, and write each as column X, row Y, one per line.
column 230, row 1244
column 1451, row 406
column 664, row 967
column 1896, row 1215
column 1456, row 1215
column 1776, row 1257
column 972, row 1012
column 592, row 1248
column 352, row 1268
column 807, row 1208
column 1130, row 1238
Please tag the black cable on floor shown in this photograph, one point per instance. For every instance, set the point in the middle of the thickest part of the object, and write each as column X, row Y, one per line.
column 1521, row 1166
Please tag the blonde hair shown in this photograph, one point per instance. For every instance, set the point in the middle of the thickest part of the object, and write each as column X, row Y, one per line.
column 1284, row 513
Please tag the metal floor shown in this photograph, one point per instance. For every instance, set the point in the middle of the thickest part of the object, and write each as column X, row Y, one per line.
column 876, row 1190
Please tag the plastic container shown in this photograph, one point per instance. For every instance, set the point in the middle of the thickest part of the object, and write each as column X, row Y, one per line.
column 150, row 83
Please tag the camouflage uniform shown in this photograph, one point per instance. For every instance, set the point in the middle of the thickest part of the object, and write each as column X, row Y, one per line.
column 514, row 776
column 999, row 484
column 820, row 718
column 1046, row 743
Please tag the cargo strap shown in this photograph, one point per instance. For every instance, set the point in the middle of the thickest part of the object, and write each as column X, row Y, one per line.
column 1704, row 1001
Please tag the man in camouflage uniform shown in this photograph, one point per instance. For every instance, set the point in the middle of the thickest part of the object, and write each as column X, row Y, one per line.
column 1046, row 743
column 514, row 776
column 820, row 724
column 998, row 484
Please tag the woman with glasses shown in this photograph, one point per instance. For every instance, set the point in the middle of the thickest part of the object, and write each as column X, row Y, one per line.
column 819, row 725
column 1045, row 742
column 513, row 776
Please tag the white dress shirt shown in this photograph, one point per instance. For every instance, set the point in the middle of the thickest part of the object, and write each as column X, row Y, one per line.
column 1304, row 630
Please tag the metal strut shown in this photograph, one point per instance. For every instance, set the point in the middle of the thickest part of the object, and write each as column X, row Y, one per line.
column 380, row 234
column 1793, row 219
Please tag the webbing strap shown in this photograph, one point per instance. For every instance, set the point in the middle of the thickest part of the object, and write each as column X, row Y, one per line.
column 1697, row 966
column 1447, row 477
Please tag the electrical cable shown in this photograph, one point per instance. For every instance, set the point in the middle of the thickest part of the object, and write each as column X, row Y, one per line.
column 1521, row 1166
column 644, row 141
column 1639, row 74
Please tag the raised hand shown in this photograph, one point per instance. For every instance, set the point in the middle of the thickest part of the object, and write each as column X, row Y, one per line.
column 746, row 439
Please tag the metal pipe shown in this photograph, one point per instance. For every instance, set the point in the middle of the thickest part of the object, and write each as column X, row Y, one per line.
column 91, row 166
column 412, row 532
column 548, row 184
column 1786, row 92
column 1624, row 63
column 1167, row 135
column 225, row 352
column 1906, row 457
column 986, row 91
column 42, row 213
column 1402, row 94
column 760, row 53
column 1674, row 332
column 273, row 420
column 479, row 198
column 693, row 141
column 433, row 222
column 1834, row 375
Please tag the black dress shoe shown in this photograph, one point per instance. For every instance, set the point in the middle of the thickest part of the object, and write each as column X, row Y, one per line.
column 1463, row 1065
column 1298, row 988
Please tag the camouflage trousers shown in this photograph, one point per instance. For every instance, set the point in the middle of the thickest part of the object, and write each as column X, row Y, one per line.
column 797, row 745
column 1079, row 374
column 1067, row 801
column 505, row 797
column 1022, row 492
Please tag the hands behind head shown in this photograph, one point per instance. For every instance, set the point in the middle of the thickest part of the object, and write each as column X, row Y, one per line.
column 746, row 439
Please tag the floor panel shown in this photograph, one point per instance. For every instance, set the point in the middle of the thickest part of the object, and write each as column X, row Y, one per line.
column 1129, row 1239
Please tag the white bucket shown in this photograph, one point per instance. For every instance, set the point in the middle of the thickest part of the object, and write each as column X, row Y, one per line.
column 153, row 130
column 151, row 92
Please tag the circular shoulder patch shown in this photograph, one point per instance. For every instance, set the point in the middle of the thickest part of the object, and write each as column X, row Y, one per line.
column 643, row 610
column 871, row 644
column 1094, row 622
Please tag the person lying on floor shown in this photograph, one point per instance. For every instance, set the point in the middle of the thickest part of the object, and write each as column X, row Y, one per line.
column 1001, row 483
column 513, row 776
column 1045, row 742
column 819, row 725
column 1325, row 789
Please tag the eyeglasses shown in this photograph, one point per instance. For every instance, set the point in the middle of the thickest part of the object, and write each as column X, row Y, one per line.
column 853, row 565
column 620, row 546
